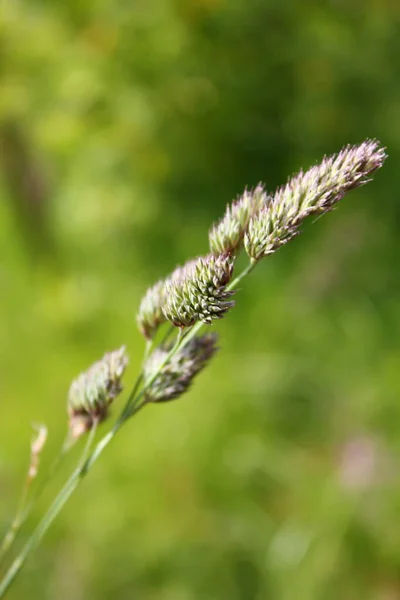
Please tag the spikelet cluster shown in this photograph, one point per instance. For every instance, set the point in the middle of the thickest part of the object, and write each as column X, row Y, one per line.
column 177, row 374
column 150, row 315
column 197, row 291
column 226, row 236
column 92, row 392
column 311, row 193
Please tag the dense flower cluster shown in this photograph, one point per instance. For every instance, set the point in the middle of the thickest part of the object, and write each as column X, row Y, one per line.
column 177, row 374
column 311, row 193
column 150, row 315
column 92, row 392
column 197, row 291
column 226, row 236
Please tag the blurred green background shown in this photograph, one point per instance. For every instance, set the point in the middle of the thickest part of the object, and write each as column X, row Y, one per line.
column 126, row 127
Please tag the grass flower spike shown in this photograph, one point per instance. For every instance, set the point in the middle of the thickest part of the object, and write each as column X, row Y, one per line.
column 311, row 193
column 197, row 291
column 196, row 294
column 177, row 374
column 91, row 394
column 227, row 235
column 150, row 315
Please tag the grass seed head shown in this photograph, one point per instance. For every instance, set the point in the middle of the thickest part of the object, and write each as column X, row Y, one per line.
column 313, row 192
column 150, row 315
column 177, row 375
column 226, row 236
column 197, row 291
column 92, row 392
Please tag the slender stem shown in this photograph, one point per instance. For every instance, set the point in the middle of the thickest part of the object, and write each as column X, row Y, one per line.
column 25, row 507
column 37, row 535
column 65, row 493
column 132, row 406
column 50, row 515
column 129, row 403
column 88, row 445
column 179, row 343
column 15, row 526
column 252, row 264
column 54, row 467
column 171, row 329
column 149, row 345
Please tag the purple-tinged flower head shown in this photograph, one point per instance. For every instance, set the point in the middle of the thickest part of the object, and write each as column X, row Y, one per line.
column 226, row 236
column 197, row 291
column 177, row 375
column 92, row 392
column 150, row 315
column 313, row 192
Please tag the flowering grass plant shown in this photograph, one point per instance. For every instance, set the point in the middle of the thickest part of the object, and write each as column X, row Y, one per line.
column 170, row 317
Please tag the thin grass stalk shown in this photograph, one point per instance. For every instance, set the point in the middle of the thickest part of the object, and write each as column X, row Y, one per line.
column 29, row 500
column 49, row 517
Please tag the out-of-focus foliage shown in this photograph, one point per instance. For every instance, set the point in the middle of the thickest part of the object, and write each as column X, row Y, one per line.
column 126, row 127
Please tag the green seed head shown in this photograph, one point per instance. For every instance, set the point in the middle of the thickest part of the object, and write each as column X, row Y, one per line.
column 178, row 373
column 92, row 392
column 314, row 192
column 150, row 315
column 197, row 291
column 226, row 236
